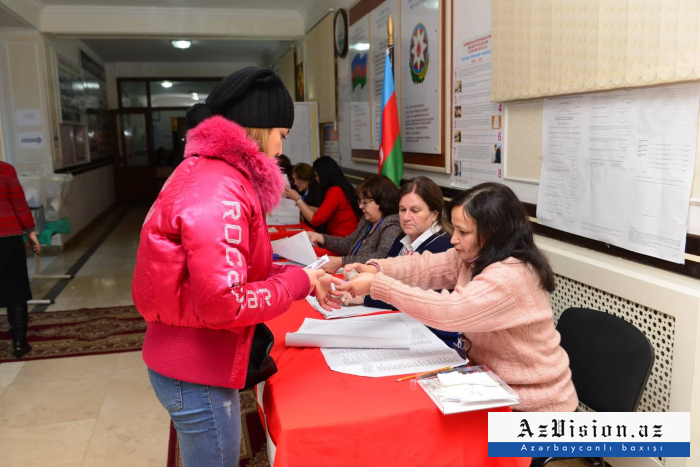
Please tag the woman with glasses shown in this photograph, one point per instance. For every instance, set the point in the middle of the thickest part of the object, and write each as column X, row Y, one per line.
column 307, row 189
column 425, row 229
column 377, row 230
column 339, row 209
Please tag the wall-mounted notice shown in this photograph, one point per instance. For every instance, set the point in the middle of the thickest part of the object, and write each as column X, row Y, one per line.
column 360, row 94
column 31, row 140
column 618, row 166
column 28, row 117
column 477, row 135
column 331, row 142
column 420, row 76
column 380, row 42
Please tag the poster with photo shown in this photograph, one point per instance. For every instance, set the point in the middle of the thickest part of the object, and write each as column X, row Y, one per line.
column 420, row 76
column 477, row 134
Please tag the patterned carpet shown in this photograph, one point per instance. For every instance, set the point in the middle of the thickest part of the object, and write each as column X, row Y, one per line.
column 253, row 443
column 80, row 332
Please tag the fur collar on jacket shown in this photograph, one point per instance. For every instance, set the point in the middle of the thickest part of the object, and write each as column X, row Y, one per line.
column 219, row 138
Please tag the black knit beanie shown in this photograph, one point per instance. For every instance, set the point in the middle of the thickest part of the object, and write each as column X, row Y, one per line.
column 252, row 97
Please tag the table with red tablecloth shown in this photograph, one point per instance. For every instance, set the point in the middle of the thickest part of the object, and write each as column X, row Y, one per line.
column 317, row 417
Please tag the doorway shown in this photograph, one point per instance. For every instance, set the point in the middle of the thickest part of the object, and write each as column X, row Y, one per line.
column 151, row 132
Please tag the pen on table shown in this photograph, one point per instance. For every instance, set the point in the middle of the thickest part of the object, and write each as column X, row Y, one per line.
column 424, row 373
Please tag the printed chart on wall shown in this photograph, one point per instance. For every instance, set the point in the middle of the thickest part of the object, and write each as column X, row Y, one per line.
column 420, row 78
column 477, row 123
column 360, row 94
column 618, row 166
column 379, row 17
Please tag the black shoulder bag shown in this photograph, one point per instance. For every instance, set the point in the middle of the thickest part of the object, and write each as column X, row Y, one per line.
column 260, row 364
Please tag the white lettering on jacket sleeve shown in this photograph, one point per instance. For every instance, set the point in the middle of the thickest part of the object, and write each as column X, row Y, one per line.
column 235, row 228
column 234, row 212
column 237, row 275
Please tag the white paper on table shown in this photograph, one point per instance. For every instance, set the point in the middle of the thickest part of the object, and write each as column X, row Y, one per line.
column 344, row 311
column 426, row 353
column 346, row 333
column 297, row 248
column 287, row 213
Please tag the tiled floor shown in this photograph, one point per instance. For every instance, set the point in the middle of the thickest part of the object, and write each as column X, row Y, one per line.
column 89, row 411
column 85, row 411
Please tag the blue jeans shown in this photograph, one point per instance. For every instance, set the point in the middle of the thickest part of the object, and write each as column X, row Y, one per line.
column 207, row 420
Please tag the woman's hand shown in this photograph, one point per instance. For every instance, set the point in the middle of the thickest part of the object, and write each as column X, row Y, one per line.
column 349, row 300
column 315, row 237
column 358, row 285
column 334, row 263
column 360, row 268
column 292, row 194
column 34, row 242
column 326, row 296
column 314, row 276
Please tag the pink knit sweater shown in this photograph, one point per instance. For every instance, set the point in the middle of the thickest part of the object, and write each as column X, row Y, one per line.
column 503, row 313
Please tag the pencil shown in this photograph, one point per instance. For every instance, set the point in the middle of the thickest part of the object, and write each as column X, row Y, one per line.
column 424, row 373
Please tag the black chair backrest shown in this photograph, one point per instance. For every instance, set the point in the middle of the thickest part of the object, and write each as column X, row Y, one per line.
column 610, row 359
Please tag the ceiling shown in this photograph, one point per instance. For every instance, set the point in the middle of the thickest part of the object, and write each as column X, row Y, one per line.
column 160, row 50
column 248, row 4
column 7, row 20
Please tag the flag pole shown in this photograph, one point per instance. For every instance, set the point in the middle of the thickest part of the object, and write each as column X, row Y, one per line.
column 390, row 32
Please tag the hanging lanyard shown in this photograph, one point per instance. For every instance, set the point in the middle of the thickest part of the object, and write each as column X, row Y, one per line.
column 303, row 197
column 365, row 236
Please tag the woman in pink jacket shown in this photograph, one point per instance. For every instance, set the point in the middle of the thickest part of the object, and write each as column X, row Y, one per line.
column 500, row 300
column 204, row 275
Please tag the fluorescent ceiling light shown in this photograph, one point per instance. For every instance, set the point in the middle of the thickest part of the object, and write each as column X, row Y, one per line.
column 195, row 96
column 181, row 44
column 166, row 84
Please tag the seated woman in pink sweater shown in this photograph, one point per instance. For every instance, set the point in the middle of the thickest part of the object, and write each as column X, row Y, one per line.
column 500, row 300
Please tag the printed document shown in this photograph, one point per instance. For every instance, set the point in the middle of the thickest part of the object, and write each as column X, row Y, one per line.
column 427, row 352
column 350, row 333
column 618, row 166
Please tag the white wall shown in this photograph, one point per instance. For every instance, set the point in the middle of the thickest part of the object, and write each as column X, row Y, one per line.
column 91, row 193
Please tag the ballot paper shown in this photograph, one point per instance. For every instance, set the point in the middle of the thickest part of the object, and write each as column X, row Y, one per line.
column 297, row 248
column 322, row 333
column 287, row 213
column 344, row 311
column 427, row 352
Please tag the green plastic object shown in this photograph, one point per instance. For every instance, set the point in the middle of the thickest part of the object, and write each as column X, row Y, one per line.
column 61, row 226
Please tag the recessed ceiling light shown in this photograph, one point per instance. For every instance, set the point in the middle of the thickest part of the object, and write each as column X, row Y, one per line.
column 181, row 44
column 195, row 96
column 166, row 84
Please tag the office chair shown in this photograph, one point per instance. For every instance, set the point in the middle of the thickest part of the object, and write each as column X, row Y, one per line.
column 610, row 361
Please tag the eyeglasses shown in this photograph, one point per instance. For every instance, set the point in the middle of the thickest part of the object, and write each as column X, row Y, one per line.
column 364, row 202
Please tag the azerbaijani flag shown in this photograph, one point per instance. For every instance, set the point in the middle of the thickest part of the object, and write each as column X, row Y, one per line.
column 390, row 153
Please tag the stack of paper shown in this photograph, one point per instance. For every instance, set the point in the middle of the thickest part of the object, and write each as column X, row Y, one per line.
column 344, row 311
column 344, row 334
column 426, row 352
column 297, row 248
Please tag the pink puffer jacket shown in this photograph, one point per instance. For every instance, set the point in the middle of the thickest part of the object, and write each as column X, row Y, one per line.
column 204, row 274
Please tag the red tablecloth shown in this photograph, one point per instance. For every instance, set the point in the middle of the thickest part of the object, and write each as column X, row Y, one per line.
column 318, row 417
